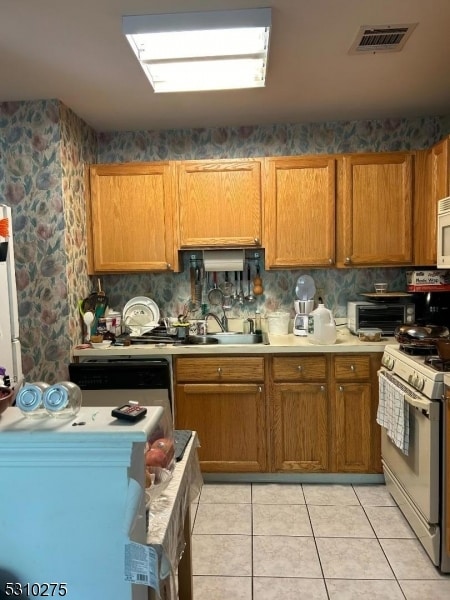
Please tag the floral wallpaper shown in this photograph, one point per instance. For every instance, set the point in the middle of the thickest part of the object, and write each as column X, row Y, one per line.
column 42, row 169
column 44, row 151
column 78, row 150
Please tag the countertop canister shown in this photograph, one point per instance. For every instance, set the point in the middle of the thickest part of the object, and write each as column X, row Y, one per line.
column 63, row 399
column 29, row 399
column 278, row 322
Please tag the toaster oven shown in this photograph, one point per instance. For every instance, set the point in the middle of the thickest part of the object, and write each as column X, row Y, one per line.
column 382, row 315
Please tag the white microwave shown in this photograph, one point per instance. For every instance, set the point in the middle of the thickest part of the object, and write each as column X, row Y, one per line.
column 443, row 234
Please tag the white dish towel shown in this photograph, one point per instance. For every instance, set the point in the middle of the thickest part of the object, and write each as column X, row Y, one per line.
column 393, row 412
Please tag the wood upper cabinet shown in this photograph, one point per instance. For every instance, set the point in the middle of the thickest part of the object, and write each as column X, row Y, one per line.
column 375, row 209
column 130, row 218
column 227, row 410
column 299, row 200
column 432, row 184
column 219, row 203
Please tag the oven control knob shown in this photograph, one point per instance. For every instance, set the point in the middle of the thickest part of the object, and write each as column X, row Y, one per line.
column 388, row 362
column 421, row 384
column 410, row 378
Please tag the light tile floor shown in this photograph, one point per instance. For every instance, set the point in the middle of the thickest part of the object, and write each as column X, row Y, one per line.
column 313, row 542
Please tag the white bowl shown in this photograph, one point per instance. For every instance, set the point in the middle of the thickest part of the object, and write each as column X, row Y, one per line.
column 101, row 345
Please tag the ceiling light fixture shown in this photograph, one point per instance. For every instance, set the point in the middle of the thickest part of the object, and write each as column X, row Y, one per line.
column 195, row 51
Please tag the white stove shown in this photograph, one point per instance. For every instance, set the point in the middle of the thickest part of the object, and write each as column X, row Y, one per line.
column 414, row 370
column 415, row 468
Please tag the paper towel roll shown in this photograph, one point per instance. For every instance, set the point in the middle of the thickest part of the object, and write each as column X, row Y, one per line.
column 223, row 260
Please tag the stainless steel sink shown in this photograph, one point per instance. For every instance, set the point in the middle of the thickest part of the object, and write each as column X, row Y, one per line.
column 236, row 337
column 229, row 337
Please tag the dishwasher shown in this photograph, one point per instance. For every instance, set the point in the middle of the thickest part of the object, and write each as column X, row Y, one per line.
column 117, row 381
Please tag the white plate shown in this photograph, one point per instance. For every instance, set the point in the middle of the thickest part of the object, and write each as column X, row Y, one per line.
column 305, row 288
column 140, row 311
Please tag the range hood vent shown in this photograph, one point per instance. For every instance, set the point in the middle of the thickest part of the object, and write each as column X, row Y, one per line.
column 381, row 38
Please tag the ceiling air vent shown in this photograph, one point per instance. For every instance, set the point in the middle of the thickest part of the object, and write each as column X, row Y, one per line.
column 381, row 38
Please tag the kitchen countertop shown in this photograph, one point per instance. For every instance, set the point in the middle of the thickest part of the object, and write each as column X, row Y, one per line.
column 279, row 344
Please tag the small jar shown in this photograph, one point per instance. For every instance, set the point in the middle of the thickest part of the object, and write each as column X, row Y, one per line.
column 63, row 399
column 30, row 399
column 102, row 327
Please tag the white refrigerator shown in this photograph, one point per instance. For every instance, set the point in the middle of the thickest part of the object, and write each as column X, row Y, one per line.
column 10, row 352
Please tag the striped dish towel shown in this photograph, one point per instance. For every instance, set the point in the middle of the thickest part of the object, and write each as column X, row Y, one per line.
column 393, row 412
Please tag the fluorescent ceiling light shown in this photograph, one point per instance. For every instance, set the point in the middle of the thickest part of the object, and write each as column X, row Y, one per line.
column 201, row 51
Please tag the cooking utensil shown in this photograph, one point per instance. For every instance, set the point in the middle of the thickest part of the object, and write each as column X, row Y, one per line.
column 205, row 285
column 198, row 286
column 258, row 289
column 418, row 335
column 215, row 295
column 250, row 298
column 235, row 296
column 89, row 303
column 226, row 286
column 241, row 290
column 443, row 348
column 192, row 281
column 88, row 319
column 227, row 289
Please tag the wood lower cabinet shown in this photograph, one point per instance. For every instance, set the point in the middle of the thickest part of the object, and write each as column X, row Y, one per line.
column 351, row 418
column 375, row 212
column 305, row 413
column 326, row 420
column 300, row 426
column 299, row 205
column 219, row 203
column 130, row 218
column 227, row 409
column 356, row 446
column 299, row 414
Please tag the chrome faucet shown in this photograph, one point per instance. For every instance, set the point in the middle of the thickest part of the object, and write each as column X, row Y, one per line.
column 222, row 326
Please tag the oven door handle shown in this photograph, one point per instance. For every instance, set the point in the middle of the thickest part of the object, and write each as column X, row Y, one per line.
column 423, row 405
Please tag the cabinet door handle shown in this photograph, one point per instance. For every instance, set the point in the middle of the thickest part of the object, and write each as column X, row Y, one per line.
column 259, row 389
column 169, row 266
column 330, row 261
column 341, row 389
column 257, row 241
column 347, row 260
column 352, row 368
column 219, row 370
column 300, row 368
column 322, row 388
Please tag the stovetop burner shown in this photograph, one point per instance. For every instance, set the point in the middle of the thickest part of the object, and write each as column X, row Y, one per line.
column 438, row 364
column 428, row 350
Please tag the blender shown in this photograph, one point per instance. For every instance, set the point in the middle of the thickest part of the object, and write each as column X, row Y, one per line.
column 305, row 291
